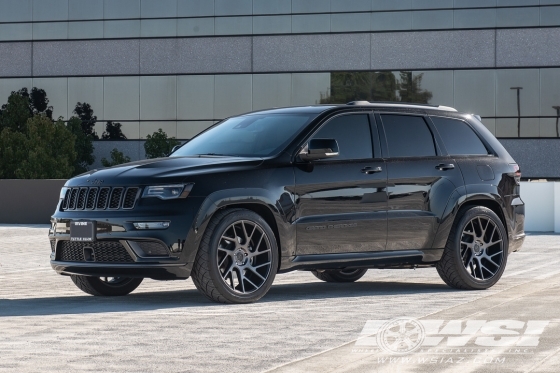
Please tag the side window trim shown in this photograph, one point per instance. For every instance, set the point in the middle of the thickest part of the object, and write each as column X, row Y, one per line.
column 375, row 136
column 440, row 151
column 481, row 138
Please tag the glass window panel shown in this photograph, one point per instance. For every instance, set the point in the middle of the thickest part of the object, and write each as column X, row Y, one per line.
column 437, row 83
column 121, row 98
column 550, row 16
column 432, row 19
column 432, row 4
column 517, row 2
column 130, row 129
column 16, row 11
column 549, row 127
column 159, row 8
column 148, row 128
column 85, row 30
column 311, row 23
column 85, row 9
column 121, row 29
column 195, row 8
column 272, row 7
column 490, row 123
column 311, row 6
column 474, row 3
column 271, row 90
column 113, row 9
column 16, row 31
column 232, row 95
column 233, row 7
column 51, row 30
column 506, row 97
column 408, row 136
column 350, row 22
column 391, row 4
column 195, row 97
column 458, row 137
column 310, row 88
column 350, row 6
column 506, row 127
column 475, row 92
column 550, row 93
column 188, row 130
column 158, row 97
column 550, row 2
column 195, row 26
column 272, row 25
column 234, row 25
column 353, row 135
column 57, row 93
column 530, row 127
column 158, row 27
column 88, row 90
column 391, row 21
column 9, row 85
column 50, row 10
column 517, row 17
column 473, row 18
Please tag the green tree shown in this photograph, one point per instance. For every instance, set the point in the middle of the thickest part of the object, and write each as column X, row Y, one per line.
column 117, row 158
column 113, row 132
column 159, row 145
column 15, row 113
column 85, row 113
column 84, row 146
column 44, row 151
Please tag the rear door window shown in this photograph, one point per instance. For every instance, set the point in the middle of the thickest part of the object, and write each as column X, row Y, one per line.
column 408, row 136
column 458, row 137
column 352, row 133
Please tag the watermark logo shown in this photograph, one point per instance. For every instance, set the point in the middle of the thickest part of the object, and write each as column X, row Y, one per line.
column 401, row 336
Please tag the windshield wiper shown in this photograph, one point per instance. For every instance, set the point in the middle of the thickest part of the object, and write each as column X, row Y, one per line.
column 213, row 155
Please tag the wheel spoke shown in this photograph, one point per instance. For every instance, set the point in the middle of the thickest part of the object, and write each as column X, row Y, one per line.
column 256, row 273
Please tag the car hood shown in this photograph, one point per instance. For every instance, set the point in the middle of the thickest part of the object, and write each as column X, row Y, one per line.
column 162, row 170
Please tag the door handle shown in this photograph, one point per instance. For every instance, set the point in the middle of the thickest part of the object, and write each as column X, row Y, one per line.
column 371, row 170
column 445, row 166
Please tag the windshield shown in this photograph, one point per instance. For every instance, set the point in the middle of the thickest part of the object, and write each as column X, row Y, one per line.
column 256, row 135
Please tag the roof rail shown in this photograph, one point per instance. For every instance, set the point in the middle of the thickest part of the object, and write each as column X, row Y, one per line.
column 402, row 104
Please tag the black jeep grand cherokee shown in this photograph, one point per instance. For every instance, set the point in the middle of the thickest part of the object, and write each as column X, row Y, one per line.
column 333, row 190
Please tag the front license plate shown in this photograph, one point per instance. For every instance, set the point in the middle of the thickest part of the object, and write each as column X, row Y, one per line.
column 83, row 231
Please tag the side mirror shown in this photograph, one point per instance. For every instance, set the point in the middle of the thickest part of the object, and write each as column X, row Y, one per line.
column 319, row 149
column 175, row 148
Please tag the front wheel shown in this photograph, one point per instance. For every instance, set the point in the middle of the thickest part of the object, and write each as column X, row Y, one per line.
column 237, row 258
column 343, row 275
column 108, row 286
column 475, row 255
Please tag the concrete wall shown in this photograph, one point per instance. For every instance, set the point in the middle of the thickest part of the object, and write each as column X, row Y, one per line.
column 537, row 158
column 131, row 148
column 542, row 206
column 28, row 201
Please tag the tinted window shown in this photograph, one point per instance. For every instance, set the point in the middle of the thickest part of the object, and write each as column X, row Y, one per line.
column 255, row 135
column 352, row 134
column 408, row 136
column 458, row 137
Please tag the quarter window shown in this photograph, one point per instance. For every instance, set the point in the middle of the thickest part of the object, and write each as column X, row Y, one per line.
column 352, row 133
column 458, row 137
column 408, row 136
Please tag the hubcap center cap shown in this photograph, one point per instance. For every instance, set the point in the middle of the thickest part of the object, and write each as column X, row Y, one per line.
column 478, row 247
column 240, row 257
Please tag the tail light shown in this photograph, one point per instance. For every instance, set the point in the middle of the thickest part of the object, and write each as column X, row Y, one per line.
column 516, row 173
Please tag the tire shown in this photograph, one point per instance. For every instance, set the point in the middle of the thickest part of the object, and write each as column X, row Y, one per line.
column 111, row 286
column 349, row 275
column 237, row 258
column 474, row 258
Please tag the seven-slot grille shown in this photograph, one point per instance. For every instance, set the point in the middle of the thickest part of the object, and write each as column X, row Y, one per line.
column 100, row 198
column 102, row 252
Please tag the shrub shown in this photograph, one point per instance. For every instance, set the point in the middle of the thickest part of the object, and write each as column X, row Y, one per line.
column 159, row 145
column 117, row 158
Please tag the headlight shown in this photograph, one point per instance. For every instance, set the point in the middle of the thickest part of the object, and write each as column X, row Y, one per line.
column 167, row 191
column 63, row 192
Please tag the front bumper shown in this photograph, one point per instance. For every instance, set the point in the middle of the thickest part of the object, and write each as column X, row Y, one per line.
column 154, row 270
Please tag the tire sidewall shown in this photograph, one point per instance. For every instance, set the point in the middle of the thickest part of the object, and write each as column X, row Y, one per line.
column 214, row 272
column 461, row 270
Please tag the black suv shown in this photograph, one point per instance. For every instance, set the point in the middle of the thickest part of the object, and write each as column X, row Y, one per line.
column 330, row 189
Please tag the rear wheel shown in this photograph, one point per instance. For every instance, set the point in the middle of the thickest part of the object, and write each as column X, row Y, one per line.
column 475, row 255
column 343, row 275
column 108, row 286
column 237, row 258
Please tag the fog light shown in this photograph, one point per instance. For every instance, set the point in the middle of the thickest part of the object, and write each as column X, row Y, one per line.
column 152, row 225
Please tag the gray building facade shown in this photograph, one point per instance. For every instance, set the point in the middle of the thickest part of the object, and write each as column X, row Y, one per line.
column 182, row 65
